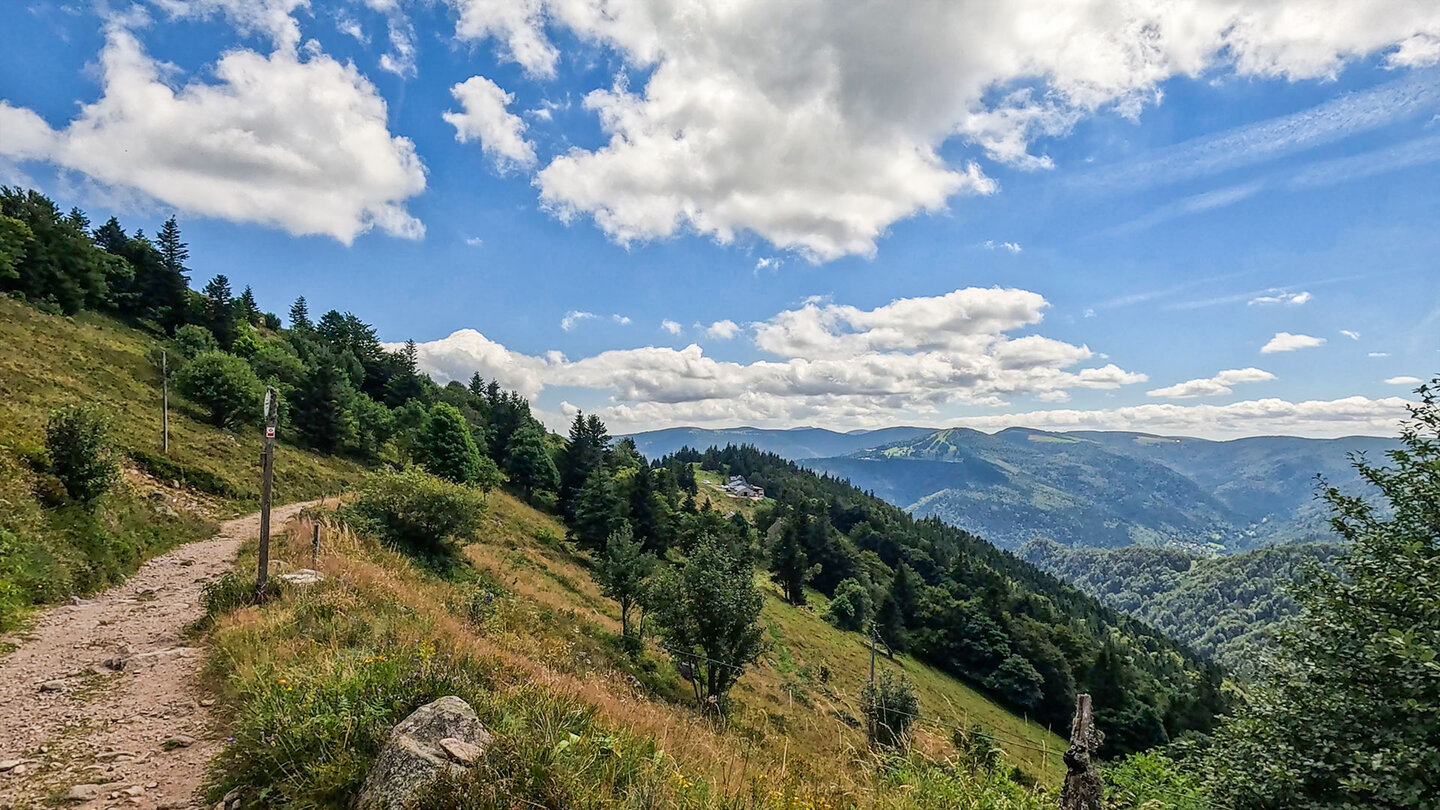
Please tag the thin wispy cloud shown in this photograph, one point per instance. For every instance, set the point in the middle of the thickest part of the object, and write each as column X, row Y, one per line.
column 1279, row 297
column 1012, row 247
column 1350, row 334
column 1404, row 381
column 573, row 319
column 1415, row 94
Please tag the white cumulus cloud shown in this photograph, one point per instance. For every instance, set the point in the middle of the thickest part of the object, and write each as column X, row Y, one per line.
column 1286, row 342
column 723, row 330
column 837, row 364
column 817, row 125
column 670, row 326
column 1212, row 386
column 485, row 117
column 294, row 142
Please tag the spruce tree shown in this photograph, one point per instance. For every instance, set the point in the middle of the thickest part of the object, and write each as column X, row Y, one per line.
column 528, row 462
column 789, row 566
column 172, row 249
column 645, row 514
column 300, row 314
column 320, row 409
column 599, row 510
column 219, row 311
column 246, row 307
column 447, row 448
column 584, row 452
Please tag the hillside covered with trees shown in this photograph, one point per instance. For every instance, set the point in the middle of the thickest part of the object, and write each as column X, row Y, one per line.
column 1225, row 607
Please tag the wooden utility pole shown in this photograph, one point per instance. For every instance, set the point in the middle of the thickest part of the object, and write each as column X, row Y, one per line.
column 315, row 549
column 1082, row 790
column 267, row 469
column 872, row 654
column 164, row 404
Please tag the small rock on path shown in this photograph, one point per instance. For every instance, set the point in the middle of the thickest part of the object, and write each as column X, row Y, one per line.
column 73, row 719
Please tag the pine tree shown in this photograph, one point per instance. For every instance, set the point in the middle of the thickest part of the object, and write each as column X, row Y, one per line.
column 599, row 510
column 583, row 454
column 622, row 571
column 789, row 566
column 645, row 515
column 447, row 448
column 246, row 308
column 174, row 251
column 477, row 384
column 300, row 314
column 528, row 462
column 320, row 409
column 219, row 311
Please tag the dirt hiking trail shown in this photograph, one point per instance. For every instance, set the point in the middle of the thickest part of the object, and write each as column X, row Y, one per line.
column 100, row 705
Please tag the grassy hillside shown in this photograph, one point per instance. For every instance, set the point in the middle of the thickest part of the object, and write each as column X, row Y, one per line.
column 47, row 361
column 529, row 640
column 46, row 554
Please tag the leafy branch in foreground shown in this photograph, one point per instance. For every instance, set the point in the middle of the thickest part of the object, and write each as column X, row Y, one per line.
column 1349, row 714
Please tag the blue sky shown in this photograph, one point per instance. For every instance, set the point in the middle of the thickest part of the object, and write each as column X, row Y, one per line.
column 1107, row 215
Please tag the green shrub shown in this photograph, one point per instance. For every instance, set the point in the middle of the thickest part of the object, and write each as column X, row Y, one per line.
column 78, row 449
column 890, row 707
column 417, row 513
column 191, row 341
column 851, row 607
column 224, row 385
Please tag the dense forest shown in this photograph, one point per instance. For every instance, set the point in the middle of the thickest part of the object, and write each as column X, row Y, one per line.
column 1225, row 607
column 958, row 602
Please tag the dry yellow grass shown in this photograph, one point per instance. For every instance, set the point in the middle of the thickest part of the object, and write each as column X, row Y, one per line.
column 782, row 703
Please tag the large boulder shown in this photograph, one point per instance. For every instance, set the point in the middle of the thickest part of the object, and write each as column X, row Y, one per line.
column 440, row 737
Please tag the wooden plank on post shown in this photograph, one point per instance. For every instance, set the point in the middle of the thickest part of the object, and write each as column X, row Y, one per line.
column 1083, row 790
column 267, row 469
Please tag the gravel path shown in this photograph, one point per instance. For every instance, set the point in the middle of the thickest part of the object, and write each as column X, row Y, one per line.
column 71, row 724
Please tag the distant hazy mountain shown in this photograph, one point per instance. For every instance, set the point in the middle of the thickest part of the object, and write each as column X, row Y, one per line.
column 1111, row 489
column 794, row 444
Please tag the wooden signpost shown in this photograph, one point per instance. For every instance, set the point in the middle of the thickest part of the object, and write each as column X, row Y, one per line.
column 267, row 469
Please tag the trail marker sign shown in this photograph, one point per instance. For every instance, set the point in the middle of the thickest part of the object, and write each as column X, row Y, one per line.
column 267, row 469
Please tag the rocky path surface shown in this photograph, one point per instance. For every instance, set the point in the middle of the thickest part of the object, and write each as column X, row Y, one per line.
column 100, row 705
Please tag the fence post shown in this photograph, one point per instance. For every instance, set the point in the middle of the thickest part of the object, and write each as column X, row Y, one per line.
column 1083, row 790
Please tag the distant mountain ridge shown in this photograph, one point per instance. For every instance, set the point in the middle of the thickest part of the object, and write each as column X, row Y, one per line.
column 1097, row 489
column 1105, row 489
column 794, row 444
